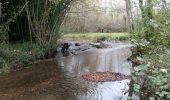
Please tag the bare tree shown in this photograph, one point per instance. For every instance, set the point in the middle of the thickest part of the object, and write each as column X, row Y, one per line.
column 129, row 14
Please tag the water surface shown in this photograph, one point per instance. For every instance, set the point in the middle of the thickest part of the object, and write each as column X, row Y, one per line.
column 61, row 79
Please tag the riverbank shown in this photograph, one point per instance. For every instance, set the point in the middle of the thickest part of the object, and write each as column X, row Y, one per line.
column 17, row 56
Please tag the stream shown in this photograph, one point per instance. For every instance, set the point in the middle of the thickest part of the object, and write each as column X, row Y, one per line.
column 61, row 79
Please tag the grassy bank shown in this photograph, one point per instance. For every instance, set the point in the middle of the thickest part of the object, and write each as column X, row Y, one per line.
column 15, row 56
column 96, row 36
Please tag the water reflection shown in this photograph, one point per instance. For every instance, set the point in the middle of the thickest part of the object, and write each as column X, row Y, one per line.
column 108, row 91
column 93, row 60
column 61, row 79
column 98, row 60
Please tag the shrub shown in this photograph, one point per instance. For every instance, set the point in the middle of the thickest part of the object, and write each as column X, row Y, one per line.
column 14, row 55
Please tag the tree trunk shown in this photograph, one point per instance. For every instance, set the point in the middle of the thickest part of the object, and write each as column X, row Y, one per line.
column 129, row 15
column 146, row 14
column 0, row 10
column 149, row 9
column 141, row 8
column 164, row 6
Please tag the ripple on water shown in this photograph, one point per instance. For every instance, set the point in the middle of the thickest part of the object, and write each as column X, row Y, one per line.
column 62, row 79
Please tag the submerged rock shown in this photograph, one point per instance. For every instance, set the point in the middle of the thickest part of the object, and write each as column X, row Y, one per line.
column 65, row 47
column 73, row 48
column 77, row 44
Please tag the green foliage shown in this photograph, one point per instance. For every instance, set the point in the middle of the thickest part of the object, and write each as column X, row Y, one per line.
column 152, row 40
column 155, row 75
column 14, row 55
column 158, row 29
column 37, row 21
column 136, row 87
column 32, row 20
column 4, row 68
column 161, row 24
column 10, row 12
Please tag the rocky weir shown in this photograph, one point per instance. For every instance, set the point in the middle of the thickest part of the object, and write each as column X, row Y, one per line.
column 81, row 71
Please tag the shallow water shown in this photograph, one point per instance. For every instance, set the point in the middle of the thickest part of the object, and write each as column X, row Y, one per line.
column 61, row 79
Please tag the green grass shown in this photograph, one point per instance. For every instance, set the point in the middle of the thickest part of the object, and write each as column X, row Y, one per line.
column 12, row 55
column 96, row 36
